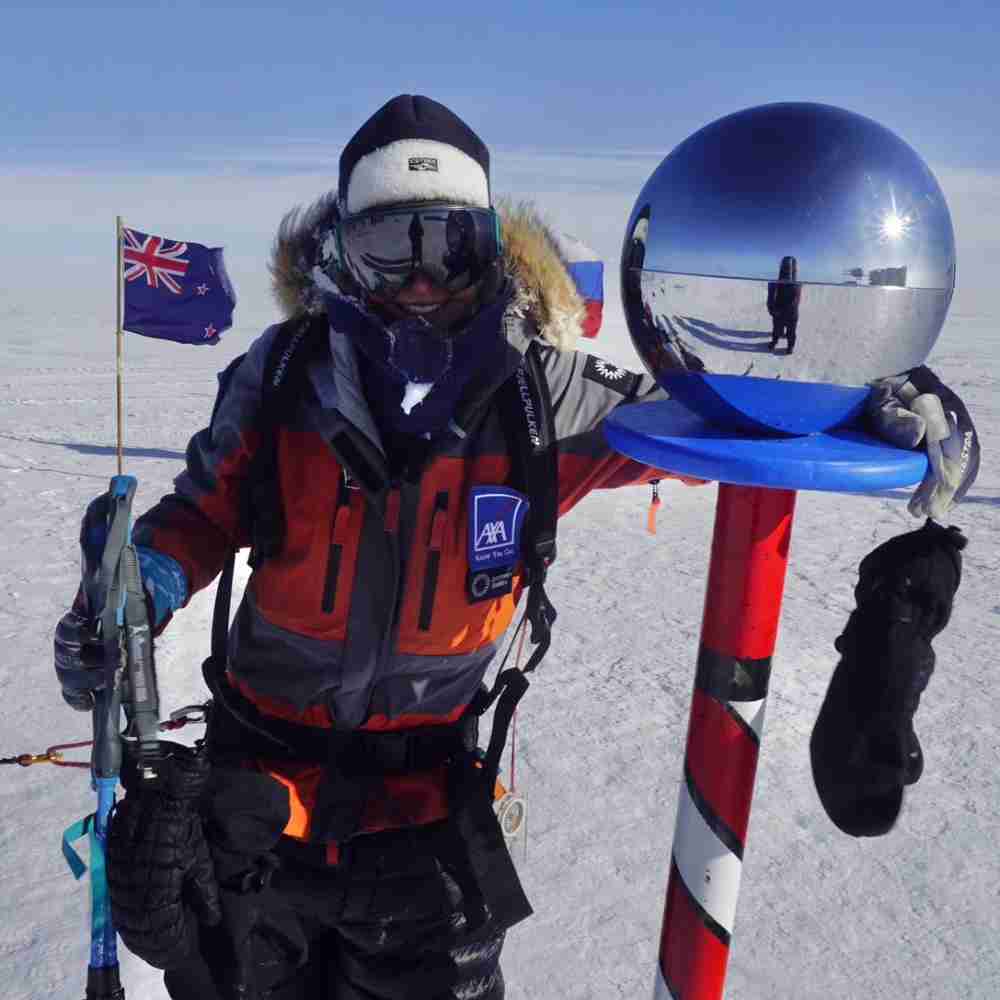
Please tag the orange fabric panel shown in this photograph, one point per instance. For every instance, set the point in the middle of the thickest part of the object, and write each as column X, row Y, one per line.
column 457, row 625
column 302, row 782
column 404, row 800
column 202, row 553
column 289, row 587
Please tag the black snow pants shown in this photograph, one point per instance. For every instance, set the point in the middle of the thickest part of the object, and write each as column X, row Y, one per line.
column 783, row 324
column 386, row 923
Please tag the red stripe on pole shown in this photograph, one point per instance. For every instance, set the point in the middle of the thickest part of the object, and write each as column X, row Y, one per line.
column 722, row 760
column 747, row 571
column 692, row 958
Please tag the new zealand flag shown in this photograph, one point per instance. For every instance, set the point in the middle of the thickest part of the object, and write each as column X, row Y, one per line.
column 175, row 291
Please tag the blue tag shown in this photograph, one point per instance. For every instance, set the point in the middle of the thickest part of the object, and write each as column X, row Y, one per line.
column 496, row 516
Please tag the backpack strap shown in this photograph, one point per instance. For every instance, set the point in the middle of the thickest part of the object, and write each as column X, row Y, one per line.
column 525, row 404
column 526, row 411
column 297, row 342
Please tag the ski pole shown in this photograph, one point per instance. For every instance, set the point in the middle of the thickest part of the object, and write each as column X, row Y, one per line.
column 120, row 619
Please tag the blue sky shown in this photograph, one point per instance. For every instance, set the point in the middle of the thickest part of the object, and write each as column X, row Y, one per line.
column 208, row 121
column 272, row 90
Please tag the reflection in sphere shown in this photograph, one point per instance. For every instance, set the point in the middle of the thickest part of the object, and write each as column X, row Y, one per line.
column 799, row 244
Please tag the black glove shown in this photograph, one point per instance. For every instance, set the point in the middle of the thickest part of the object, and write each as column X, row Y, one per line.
column 864, row 749
column 79, row 658
column 160, row 873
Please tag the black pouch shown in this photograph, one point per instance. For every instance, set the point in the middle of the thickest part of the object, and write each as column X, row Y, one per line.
column 245, row 815
column 481, row 866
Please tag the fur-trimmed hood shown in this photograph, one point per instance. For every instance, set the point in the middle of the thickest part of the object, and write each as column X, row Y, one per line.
column 544, row 291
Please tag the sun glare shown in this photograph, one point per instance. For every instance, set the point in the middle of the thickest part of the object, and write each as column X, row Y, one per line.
column 894, row 226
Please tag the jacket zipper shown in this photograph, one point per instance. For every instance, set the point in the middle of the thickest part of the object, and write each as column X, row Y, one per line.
column 435, row 544
column 338, row 539
column 399, row 540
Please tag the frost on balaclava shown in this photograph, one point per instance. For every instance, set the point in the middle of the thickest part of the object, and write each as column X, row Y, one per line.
column 415, row 376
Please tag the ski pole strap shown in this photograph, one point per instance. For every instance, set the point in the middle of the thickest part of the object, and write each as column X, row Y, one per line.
column 103, row 942
column 77, row 831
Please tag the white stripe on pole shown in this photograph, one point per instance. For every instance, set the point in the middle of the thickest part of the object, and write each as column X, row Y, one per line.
column 709, row 869
column 661, row 991
column 752, row 713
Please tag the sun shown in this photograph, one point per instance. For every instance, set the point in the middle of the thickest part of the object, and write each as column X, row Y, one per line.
column 894, row 226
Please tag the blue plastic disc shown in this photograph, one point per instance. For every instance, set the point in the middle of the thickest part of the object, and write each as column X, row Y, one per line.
column 668, row 435
column 766, row 405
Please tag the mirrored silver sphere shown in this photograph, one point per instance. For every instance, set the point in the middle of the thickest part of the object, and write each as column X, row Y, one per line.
column 790, row 242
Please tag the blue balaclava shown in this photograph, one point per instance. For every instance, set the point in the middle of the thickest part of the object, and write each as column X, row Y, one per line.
column 414, row 376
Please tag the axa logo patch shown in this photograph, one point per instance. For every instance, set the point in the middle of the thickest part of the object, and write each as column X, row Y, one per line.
column 496, row 516
column 492, row 533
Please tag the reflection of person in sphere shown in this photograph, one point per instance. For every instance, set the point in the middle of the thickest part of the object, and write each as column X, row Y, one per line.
column 632, row 261
column 636, row 312
column 783, row 298
column 657, row 339
column 461, row 255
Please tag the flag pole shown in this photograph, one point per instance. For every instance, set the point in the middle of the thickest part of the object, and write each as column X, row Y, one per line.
column 119, row 341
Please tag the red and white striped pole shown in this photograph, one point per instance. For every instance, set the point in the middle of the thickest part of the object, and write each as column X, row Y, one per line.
column 746, row 578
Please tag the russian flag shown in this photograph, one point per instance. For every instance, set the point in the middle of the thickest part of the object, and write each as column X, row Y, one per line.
column 587, row 271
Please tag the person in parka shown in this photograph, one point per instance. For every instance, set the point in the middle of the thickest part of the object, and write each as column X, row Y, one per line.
column 783, row 299
column 338, row 840
column 364, row 626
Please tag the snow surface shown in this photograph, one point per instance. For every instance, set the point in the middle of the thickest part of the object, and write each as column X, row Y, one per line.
column 915, row 914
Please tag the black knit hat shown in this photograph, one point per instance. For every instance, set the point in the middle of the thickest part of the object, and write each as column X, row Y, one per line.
column 413, row 149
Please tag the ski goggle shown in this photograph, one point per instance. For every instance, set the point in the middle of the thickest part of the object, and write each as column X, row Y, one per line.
column 452, row 244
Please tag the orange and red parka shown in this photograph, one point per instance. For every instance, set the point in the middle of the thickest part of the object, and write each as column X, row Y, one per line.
column 366, row 618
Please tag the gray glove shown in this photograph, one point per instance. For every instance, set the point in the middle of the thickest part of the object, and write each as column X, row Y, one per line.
column 918, row 408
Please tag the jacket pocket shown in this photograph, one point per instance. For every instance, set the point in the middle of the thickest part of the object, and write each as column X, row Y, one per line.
column 433, row 567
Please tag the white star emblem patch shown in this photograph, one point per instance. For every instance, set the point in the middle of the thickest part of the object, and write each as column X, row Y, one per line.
column 608, row 370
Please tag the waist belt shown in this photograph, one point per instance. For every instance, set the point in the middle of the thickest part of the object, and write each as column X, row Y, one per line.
column 239, row 728
column 354, row 763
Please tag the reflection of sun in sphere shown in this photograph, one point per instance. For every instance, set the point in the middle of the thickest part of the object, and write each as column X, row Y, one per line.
column 894, row 226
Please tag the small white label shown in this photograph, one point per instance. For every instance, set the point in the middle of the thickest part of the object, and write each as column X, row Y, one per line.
column 424, row 163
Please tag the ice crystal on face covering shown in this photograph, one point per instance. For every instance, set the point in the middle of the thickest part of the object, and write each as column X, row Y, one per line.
column 414, row 393
column 324, row 282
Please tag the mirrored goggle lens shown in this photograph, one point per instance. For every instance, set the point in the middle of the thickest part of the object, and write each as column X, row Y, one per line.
column 452, row 245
